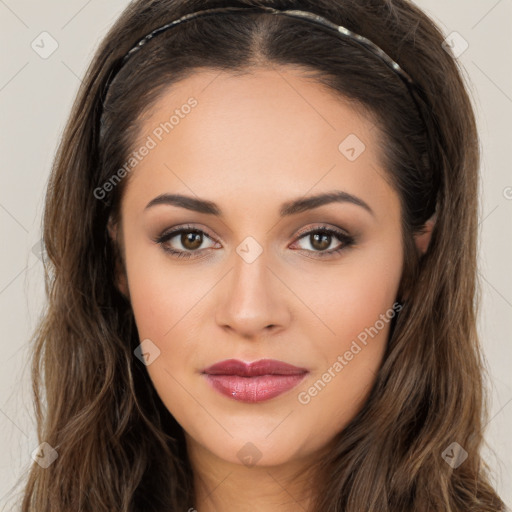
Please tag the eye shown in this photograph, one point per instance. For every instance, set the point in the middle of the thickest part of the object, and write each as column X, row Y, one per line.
column 189, row 238
column 322, row 237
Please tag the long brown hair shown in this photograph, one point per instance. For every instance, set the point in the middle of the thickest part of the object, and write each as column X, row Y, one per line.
column 118, row 446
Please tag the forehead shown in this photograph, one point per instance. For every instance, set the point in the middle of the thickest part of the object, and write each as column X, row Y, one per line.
column 268, row 133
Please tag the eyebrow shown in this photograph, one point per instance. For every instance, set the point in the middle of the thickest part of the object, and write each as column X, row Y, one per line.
column 288, row 208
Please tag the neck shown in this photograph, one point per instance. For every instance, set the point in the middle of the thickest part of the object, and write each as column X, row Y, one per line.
column 223, row 486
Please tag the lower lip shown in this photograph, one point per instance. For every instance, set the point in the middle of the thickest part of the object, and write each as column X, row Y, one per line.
column 253, row 389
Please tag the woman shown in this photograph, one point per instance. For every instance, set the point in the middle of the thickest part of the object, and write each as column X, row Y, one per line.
column 261, row 231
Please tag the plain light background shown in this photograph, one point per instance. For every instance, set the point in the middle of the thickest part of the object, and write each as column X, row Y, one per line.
column 36, row 95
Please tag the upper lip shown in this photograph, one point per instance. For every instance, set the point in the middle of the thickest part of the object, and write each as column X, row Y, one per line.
column 254, row 369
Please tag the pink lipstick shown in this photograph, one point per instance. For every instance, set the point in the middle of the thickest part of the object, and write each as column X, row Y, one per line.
column 254, row 382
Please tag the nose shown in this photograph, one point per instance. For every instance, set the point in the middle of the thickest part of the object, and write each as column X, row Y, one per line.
column 252, row 299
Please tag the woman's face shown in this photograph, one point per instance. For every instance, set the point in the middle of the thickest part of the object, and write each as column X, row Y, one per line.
column 257, row 279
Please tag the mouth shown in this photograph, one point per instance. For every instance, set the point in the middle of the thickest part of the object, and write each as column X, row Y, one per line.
column 253, row 382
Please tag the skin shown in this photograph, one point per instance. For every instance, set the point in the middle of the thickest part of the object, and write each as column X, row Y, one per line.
column 253, row 143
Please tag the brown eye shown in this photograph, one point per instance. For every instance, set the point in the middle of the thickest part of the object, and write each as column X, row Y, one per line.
column 320, row 241
column 321, row 238
column 191, row 240
column 183, row 242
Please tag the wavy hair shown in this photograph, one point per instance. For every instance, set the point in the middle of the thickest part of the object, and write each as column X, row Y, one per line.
column 118, row 446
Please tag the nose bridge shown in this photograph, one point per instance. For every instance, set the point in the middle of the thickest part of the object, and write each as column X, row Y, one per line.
column 250, row 299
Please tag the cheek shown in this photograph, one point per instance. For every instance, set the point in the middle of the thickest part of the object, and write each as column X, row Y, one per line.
column 357, row 302
column 165, row 303
column 169, row 305
column 160, row 292
column 347, row 297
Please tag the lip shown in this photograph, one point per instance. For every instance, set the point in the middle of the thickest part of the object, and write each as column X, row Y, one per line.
column 253, row 382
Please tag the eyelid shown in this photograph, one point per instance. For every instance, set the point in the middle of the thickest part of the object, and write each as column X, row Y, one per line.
column 320, row 227
column 185, row 227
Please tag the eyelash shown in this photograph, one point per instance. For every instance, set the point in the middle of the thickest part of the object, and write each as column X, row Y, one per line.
column 346, row 240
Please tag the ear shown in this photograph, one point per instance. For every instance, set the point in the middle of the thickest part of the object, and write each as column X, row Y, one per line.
column 422, row 238
column 121, row 279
